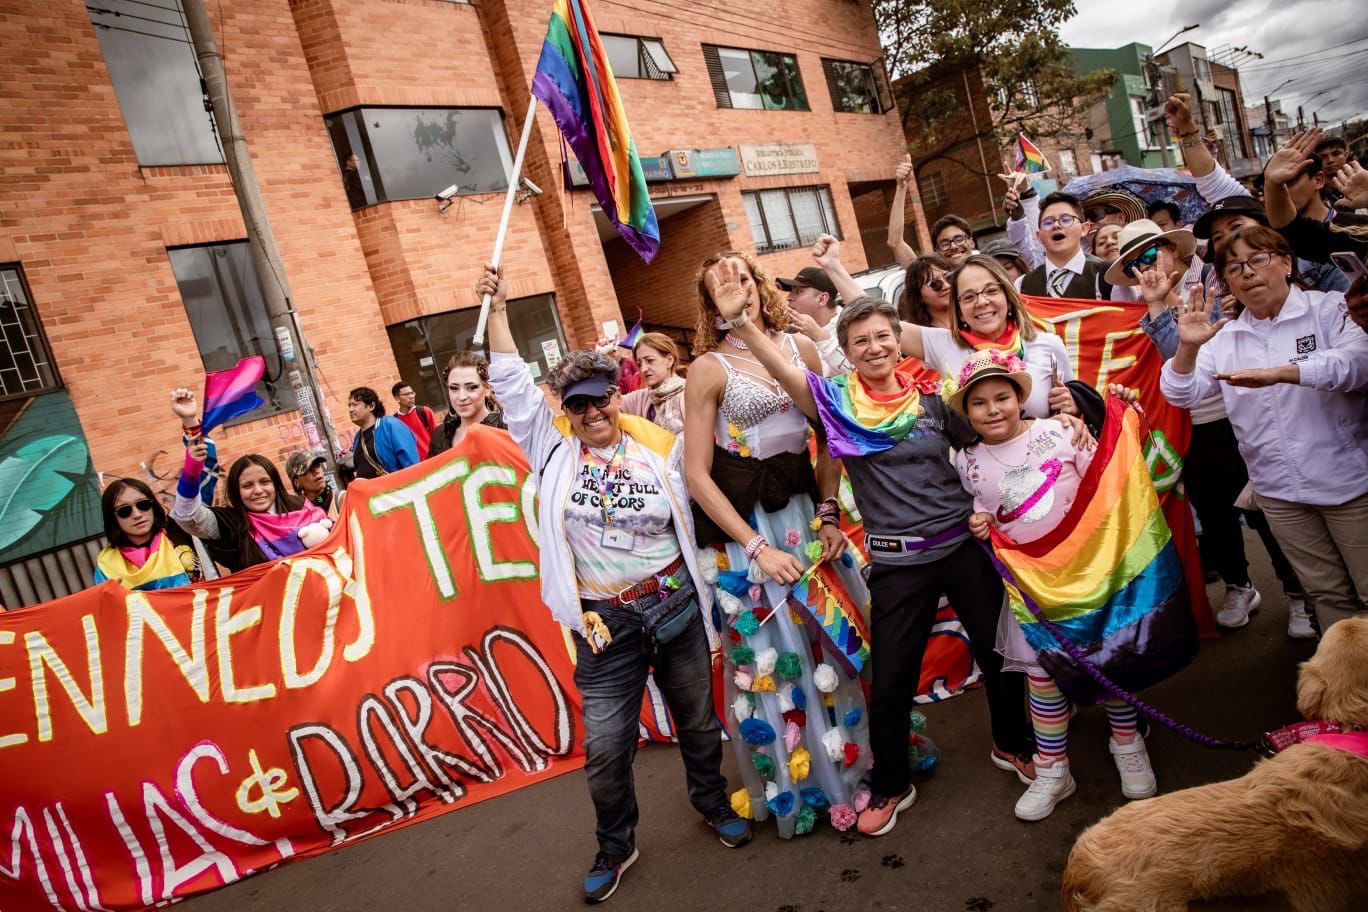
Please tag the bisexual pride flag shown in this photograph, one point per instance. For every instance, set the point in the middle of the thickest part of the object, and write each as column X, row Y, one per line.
column 231, row 393
column 575, row 82
column 1108, row 577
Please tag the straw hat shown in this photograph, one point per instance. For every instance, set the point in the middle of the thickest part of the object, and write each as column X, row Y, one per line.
column 984, row 365
column 1136, row 238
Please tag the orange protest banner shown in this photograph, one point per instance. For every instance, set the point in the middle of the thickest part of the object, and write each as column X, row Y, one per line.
column 158, row 744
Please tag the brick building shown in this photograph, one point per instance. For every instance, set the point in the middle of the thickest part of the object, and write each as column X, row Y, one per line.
column 962, row 180
column 123, row 267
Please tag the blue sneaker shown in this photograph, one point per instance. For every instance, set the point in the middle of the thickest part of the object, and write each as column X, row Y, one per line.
column 732, row 830
column 602, row 879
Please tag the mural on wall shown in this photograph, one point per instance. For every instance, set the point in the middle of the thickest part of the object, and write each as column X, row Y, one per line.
column 49, row 491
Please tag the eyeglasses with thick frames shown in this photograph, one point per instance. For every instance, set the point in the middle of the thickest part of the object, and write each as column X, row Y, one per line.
column 951, row 243
column 1063, row 221
column 1236, row 268
column 142, row 506
column 580, row 404
column 991, row 290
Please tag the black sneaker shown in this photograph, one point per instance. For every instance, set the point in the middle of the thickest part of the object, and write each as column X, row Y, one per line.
column 602, row 879
column 734, row 831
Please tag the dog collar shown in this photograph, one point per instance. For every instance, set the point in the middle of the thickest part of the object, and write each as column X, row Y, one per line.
column 1279, row 740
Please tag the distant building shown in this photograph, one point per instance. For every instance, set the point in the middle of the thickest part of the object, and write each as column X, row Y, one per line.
column 1122, row 131
column 1217, row 105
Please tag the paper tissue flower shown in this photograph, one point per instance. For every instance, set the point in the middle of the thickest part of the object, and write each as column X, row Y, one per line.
column 765, row 660
column 746, row 624
column 789, row 667
column 742, row 708
column 781, row 804
column 825, row 678
column 814, row 797
column 742, row 655
column 730, row 604
column 757, row 731
column 792, row 538
column 799, row 764
column 763, row 684
column 842, row 816
column 852, row 717
column 792, row 735
column 764, row 764
column 741, row 804
column 861, row 799
column 834, row 745
column 803, row 823
column 743, row 680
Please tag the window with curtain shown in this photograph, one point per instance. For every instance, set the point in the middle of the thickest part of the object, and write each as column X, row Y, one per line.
column 760, row 80
column 790, row 217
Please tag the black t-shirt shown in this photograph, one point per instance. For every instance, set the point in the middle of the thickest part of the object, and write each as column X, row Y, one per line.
column 364, row 459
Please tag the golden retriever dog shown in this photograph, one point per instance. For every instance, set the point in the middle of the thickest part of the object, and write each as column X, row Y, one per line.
column 1296, row 824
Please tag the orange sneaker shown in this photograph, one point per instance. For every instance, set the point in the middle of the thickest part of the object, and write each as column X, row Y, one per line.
column 880, row 816
column 1024, row 767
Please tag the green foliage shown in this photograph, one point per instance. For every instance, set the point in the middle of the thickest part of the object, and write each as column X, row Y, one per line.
column 1026, row 70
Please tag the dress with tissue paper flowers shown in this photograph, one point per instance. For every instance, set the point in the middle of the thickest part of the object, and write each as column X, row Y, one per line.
column 795, row 691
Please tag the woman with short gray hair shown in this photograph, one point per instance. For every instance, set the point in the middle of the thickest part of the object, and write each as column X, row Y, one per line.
column 619, row 570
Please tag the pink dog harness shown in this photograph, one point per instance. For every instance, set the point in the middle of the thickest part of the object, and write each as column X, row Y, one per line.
column 1355, row 742
column 1331, row 734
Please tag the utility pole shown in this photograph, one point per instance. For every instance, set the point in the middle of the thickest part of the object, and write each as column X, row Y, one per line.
column 295, row 354
column 1272, row 126
column 1301, row 120
column 1156, row 100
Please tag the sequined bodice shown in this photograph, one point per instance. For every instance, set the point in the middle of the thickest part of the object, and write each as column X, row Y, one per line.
column 766, row 418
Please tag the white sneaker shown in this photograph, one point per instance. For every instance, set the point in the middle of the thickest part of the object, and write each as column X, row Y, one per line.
column 1240, row 603
column 1133, row 763
column 1052, row 785
column 1299, row 625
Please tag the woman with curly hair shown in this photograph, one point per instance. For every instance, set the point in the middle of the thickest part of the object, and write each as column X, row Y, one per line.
column 754, row 487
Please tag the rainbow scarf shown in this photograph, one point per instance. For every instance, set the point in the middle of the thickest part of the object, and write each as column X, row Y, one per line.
column 1010, row 341
column 826, row 609
column 159, row 564
column 277, row 534
column 1108, row 576
column 231, row 393
column 856, row 423
column 575, row 81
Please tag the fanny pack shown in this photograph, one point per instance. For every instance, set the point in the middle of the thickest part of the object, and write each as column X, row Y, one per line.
column 664, row 619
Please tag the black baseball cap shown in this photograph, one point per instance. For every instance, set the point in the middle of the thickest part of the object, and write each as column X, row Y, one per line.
column 1231, row 205
column 809, row 277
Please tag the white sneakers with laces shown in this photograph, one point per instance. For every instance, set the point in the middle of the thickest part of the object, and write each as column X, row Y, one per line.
column 1240, row 603
column 1052, row 785
column 1299, row 625
column 1133, row 763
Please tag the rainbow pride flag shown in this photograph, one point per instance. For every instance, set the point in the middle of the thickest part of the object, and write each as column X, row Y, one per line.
column 856, row 423
column 1029, row 158
column 821, row 601
column 1108, row 577
column 575, row 82
column 231, row 393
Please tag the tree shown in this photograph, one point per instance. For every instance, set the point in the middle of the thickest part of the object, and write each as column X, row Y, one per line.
column 1026, row 71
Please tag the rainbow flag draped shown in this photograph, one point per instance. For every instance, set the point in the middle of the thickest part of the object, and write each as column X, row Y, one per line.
column 574, row 80
column 1108, row 576
column 163, row 565
column 1029, row 158
column 826, row 610
column 231, row 393
column 856, row 423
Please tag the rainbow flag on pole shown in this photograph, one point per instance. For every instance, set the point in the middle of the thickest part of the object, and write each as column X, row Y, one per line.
column 575, row 82
column 821, row 601
column 1029, row 158
column 231, row 393
column 1108, row 577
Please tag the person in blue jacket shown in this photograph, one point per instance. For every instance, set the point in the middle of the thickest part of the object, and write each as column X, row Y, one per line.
column 383, row 443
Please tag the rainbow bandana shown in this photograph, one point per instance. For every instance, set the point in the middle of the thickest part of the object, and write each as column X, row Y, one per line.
column 856, row 423
column 158, row 565
column 277, row 534
column 1010, row 340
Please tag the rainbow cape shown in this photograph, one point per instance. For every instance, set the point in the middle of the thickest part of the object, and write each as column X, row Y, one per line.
column 1029, row 158
column 231, row 393
column 857, row 424
column 1108, row 576
column 575, row 81
column 826, row 610
column 165, row 565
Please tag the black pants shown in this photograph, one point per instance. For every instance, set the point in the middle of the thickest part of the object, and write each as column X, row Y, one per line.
column 903, row 611
column 1214, row 474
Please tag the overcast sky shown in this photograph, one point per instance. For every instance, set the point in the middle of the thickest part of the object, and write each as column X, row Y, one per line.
column 1307, row 41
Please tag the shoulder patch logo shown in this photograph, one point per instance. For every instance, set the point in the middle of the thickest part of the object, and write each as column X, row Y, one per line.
column 1306, row 344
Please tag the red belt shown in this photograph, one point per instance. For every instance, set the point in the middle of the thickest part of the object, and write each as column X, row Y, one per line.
column 642, row 589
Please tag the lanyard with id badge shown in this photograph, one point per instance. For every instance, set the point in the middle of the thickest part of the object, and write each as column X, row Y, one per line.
column 605, row 476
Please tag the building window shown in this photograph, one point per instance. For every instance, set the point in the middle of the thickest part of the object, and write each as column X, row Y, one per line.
column 1144, row 134
column 854, row 87
column 765, row 80
column 1068, row 162
column 791, row 217
column 932, row 190
column 415, row 153
column 632, row 57
column 152, row 64
column 423, row 346
column 228, row 316
column 26, row 367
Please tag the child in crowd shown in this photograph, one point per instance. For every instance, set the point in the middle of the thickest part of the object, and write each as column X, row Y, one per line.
column 1024, row 474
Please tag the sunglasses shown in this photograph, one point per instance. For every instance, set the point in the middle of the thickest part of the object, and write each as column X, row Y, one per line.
column 580, row 404
column 142, row 506
column 1146, row 258
column 937, row 285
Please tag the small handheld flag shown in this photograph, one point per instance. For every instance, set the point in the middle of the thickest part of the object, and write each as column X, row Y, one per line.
column 633, row 336
column 231, row 393
column 1029, row 158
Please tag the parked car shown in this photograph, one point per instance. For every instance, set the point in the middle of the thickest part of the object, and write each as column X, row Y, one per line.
column 884, row 282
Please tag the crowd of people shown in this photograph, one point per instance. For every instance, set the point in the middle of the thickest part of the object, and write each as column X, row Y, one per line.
column 680, row 516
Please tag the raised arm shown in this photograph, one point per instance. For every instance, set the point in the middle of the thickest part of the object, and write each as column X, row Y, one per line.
column 1285, row 166
column 1189, row 376
column 1022, row 205
column 903, row 254
column 189, row 510
column 827, row 253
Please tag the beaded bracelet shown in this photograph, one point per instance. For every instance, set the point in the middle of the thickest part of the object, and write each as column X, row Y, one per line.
column 829, row 512
column 755, row 546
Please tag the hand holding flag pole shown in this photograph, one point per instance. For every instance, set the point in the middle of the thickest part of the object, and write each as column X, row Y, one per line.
column 513, row 180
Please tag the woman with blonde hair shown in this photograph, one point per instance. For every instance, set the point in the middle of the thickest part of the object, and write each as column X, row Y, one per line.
column 661, row 397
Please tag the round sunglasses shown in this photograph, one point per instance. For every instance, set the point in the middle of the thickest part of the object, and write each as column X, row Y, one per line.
column 142, row 506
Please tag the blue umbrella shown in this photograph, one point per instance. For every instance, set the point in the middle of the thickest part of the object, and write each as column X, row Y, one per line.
column 1150, row 184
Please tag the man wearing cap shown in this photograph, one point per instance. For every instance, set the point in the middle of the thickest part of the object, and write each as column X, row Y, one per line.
column 1113, row 206
column 306, row 472
column 1006, row 253
column 814, row 311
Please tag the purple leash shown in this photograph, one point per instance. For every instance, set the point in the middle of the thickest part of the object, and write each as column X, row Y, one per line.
column 1148, row 711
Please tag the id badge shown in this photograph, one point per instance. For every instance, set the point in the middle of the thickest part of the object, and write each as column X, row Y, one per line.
column 618, row 539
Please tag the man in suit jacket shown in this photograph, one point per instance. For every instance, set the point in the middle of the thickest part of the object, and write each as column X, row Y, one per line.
column 1067, row 271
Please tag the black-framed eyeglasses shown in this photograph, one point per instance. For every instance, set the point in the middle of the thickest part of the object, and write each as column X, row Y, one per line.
column 962, row 240
column 580, row 404
column 1146, row 258
column 1063, row 221
column 142, row 506
column 1258, row 260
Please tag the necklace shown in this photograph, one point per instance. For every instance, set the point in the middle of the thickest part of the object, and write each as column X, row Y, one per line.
column 735, row 342
column 1008, row 465
column 605, row 474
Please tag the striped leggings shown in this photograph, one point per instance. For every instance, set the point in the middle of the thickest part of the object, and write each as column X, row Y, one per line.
column 1050, row 717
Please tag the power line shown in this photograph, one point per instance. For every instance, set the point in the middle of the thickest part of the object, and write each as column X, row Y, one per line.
column 117, row 28
column 101, row 11
column 1302, row 58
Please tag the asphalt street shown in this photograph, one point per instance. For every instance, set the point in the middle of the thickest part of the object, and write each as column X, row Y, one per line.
column 959, row 849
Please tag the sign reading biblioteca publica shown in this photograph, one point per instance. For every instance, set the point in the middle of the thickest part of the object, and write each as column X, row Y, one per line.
column 778, row 158
column 158, row 744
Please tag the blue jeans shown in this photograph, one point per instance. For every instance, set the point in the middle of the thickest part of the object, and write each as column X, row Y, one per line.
column 611, row 685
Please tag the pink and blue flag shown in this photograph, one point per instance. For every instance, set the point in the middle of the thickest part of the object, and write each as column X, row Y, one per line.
column 231, row 393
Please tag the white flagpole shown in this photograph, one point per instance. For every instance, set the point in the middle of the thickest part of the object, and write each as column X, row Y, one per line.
column 513, row 182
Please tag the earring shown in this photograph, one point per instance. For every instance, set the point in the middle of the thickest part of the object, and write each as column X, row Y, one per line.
column 1289, row 277
column 964, row 324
